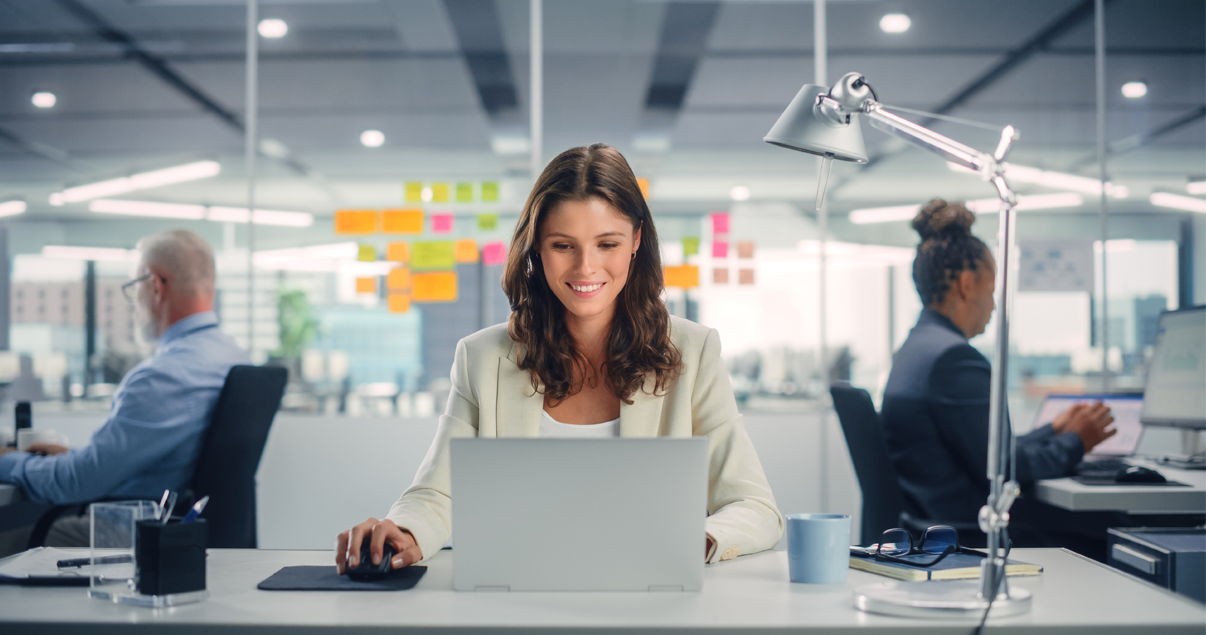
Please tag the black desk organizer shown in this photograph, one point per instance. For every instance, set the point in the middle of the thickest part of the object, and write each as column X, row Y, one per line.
column 170, row 559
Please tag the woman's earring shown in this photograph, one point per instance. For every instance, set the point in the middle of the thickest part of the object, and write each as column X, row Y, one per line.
column 633, row 256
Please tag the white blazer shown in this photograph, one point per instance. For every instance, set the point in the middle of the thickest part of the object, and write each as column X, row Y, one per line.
column 491, row 397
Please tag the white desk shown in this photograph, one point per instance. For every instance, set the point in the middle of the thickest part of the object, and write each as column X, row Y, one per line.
column 1133, row 499
column 752, row 592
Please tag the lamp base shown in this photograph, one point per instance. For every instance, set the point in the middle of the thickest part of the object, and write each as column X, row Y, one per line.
column 941, row 600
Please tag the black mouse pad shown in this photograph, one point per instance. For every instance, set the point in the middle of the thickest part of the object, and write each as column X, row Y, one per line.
column 1109, row 480
column 325, row 578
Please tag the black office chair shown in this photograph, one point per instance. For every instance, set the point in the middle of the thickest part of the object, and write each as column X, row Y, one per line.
column 231, row 454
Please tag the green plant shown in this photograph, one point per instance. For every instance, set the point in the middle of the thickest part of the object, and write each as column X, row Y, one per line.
column 297, row 324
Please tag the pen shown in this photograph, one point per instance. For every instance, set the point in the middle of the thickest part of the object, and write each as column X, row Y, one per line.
column 167, row 512
column 83, row 562
column 195, row 511
column 163, row 502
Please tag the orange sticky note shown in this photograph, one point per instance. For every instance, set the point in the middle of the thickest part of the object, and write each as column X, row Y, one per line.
column 355, row 221
column 434, row 287
column 745, row 276
column 644, row 185
column 402, row 221
column 398, row 279
column 745, row 249
column 397, row 252
column 399, row 302
column 366, row 285
column 465, row 250
column 684, row 276
column 720, row 276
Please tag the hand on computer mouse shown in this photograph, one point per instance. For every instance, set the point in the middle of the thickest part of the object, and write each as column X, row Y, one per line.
column 376, row 533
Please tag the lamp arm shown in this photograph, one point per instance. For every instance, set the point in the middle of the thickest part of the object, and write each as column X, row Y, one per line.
column 947, row 148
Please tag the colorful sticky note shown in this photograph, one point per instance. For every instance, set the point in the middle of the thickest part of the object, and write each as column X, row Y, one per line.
column 720, row 249
column 367, row 253
column 355, row 221
column 397, row 252
column 494, row 253
column 465, row 250
column 402, row 221
column 690, row 246
column 720, row 223
column 683, row 276
column 434, row 287
column 745, row 276
column 366, row 285
column 414, row 191
column 464, row 192
column 487, row 222
column 433, row 255
column 489, row 191
column 720, row 276
column 441, row 223
column 399, row 302
column 745, row 249
column 398, row 279
column 644, row 185
column 439, row 192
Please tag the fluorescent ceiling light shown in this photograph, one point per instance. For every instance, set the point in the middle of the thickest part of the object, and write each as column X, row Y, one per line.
column 979, row 206
column 1176, row 201
column 739, row 193
column 895, row 23
column 141, row 181
column 1134, row 90
column 12, row 208
column 1197, row 187
column 90, row 253
column 200, row 212
column 321, row 258
column 43, row 99
column 1055, row 180
column 273, row 28
column 372, row 138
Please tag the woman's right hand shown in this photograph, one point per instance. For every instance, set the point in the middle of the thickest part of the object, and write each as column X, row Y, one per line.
column 378, row 532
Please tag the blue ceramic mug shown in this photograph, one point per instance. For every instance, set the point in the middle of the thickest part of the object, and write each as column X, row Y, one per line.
column 818, row 547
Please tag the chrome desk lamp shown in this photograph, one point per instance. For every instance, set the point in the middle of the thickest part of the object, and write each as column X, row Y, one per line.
column 824, row 121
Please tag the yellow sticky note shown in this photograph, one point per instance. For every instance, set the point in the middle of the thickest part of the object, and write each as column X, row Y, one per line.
column 366, row 285
column 367, row 253
column 685, row 276
column 414, row 191
column 399, row 302
column 433, row 255
column 398, row 279
column 465, row 250
column 434, row 287
column 690, row 245
column 439, row 192
column 487, row 222
column 489, row 191
column 464, row 192
column 644, row 185
column 402, row 221
column 397, row 252
column 355, row 221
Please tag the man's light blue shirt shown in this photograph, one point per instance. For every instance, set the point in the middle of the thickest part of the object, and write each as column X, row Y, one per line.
column 155, row 428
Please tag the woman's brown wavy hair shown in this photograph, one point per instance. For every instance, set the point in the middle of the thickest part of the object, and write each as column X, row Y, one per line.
column 639, row 344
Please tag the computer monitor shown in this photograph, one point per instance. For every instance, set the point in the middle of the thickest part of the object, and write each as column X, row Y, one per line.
column 1176, row 384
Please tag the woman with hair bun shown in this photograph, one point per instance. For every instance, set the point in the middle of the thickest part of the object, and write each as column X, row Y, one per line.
column 590, row 351
column 935, row 406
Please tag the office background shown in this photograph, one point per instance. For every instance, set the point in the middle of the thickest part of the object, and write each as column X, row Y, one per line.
column 359, row 98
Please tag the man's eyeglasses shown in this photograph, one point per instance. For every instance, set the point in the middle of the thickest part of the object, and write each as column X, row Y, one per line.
column 130, row 290
column 939, row 541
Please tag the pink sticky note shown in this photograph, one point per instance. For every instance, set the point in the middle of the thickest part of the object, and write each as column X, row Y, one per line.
column 494, row 254
column 720, row 223
column 441, row 223
column 720, row 249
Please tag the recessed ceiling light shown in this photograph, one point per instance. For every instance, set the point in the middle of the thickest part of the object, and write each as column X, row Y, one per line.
column 895, row 23
column 372, row 138
column 739, row 193
column 273, row 28
column 44, row 99
column 1134, row 90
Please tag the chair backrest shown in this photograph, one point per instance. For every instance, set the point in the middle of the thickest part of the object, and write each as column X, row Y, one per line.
column 883, row 499
column 231, row 453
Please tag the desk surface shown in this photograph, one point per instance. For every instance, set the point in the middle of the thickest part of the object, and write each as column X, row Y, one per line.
column 1134, row 499
column 742, row 594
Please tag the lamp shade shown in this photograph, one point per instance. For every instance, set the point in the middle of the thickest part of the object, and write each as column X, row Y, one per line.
column 801, row 128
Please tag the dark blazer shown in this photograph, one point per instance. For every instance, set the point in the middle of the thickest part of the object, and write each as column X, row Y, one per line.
column 935, row 417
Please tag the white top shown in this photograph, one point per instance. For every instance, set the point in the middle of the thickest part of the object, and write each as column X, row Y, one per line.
column 550, row 428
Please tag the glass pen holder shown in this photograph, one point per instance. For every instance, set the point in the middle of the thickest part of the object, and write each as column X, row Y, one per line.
column 138, row 560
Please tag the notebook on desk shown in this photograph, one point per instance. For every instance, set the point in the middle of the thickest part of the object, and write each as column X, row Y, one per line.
column 964, row 565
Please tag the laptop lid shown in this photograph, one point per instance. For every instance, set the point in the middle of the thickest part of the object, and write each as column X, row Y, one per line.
column 1124, row 407
column 578, row 514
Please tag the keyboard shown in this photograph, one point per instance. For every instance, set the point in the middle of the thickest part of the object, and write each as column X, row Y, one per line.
column 1100, row 467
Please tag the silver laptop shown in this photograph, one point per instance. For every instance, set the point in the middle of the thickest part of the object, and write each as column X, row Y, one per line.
column 578, row 515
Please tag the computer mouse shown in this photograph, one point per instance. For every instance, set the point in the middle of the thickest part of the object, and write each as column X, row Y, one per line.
column 1139, row 474
column 366, row 570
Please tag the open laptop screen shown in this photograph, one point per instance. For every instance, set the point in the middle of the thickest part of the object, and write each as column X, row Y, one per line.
column 1124, row 407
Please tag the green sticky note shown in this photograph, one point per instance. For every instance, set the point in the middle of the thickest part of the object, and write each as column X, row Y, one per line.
column 487, row 222
column 490, row 191
column 690, row 246
column 368, row 253
column 433, row 255
column 414, row 191
column 464, row 192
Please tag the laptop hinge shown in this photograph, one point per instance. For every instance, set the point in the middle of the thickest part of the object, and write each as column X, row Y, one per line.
column 493, row 587
column 666, row 587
